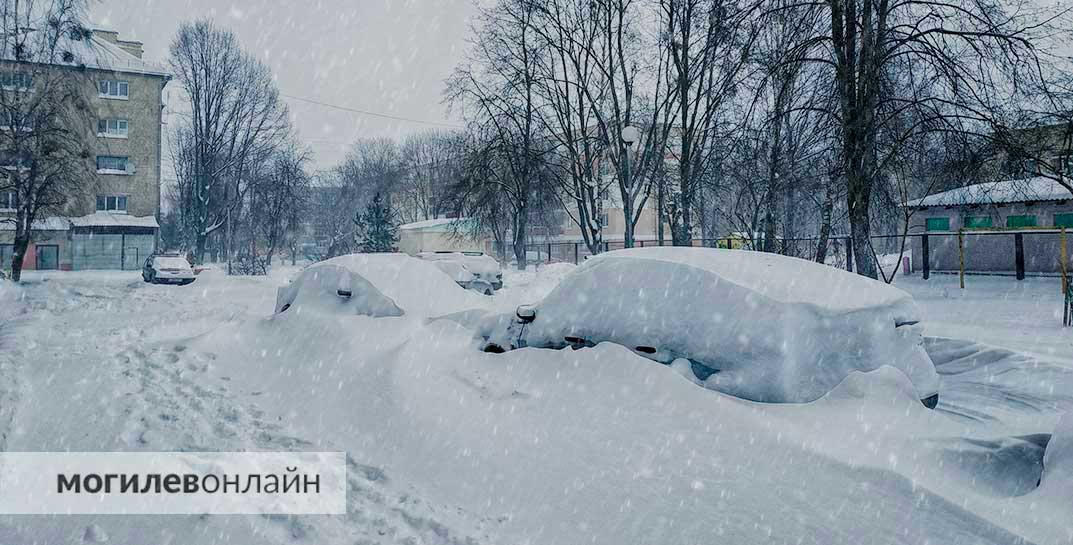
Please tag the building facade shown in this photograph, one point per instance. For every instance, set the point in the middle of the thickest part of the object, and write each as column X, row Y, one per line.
column 113, row 222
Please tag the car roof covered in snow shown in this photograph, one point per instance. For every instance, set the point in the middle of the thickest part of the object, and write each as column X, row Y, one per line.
column 777, row 277
column 416, row 285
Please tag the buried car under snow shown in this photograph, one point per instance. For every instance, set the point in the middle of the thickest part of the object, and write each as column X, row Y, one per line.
column 377, row 285
column 755, row 325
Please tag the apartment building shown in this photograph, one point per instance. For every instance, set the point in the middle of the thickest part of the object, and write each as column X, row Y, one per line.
column 112, row 223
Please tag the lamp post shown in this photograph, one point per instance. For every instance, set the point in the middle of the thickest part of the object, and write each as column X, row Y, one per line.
column 630, row 134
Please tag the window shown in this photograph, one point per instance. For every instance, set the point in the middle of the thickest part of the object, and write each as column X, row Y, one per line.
column 7, row 251
column 115, row 128
column 976, row 222
column 110, row 164
column 9, row 200
column 604, row 220
column 1064, row 219
column 112, row 203
column 16, row 80
column 937, row 224
column 111, row 88
column 1020, row 221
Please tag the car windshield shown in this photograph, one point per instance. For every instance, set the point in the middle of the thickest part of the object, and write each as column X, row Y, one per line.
column 172, row 263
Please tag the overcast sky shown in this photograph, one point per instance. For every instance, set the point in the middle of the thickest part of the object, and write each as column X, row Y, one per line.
column 384, row 56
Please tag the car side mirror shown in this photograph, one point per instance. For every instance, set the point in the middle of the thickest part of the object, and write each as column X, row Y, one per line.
column 526, row 313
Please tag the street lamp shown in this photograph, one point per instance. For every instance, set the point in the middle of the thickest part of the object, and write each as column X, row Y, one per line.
column 630, row 134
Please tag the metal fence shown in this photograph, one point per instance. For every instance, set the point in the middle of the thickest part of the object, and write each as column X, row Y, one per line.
column 1012, row 252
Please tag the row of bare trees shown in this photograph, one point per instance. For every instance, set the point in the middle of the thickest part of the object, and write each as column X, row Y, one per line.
column 768, row 119
column 241, row 178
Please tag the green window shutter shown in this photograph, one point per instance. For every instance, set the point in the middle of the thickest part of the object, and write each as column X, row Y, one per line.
column 1064, row 219
column 937, row 224
column 1020, row 221
column 977, row 222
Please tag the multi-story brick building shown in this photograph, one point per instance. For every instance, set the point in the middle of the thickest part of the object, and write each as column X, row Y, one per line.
column 112, row 223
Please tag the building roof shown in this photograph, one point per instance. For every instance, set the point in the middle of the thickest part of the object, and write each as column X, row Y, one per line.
column 97, row 52
column 108, row 219
column 1035, row 189
column 440, row 225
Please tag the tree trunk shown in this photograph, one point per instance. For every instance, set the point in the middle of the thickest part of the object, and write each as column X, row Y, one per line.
column 199, row 250
column 825, row 222
column 22, row 242
column 859, row 197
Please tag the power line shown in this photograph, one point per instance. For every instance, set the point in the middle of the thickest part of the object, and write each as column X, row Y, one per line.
column 374, row 114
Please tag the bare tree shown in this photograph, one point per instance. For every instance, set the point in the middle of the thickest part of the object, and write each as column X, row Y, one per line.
column 43, row 113
column 708, row 43
column 430, row 162
column 496, row 89
column 236, row 119
column 279, row 199
column 958, row 65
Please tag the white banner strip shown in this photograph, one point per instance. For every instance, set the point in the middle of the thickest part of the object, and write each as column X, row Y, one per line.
column 163, row 483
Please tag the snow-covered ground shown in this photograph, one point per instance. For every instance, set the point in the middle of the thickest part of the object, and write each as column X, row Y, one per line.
column 450, row 445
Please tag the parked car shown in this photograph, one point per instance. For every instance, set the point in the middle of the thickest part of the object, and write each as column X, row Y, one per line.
column 377, row 285
column 755, row 325
column 167, row 269
column 463, row 277
column 484, row 267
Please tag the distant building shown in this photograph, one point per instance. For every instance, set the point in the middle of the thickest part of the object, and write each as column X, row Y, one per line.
column 113, row 225
column 987, row 213
column 446, row 234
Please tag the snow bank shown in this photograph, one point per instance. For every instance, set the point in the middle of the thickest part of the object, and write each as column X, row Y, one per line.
column 380, row 285
column 1057, row 479
column 778, row 329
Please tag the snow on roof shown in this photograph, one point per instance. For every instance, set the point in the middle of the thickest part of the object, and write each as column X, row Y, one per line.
column 1039, row 188
column 99, row 53
column 437, row 225
column 108, row 219
column 44, row 224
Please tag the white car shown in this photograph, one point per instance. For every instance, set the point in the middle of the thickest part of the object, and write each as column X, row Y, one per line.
column 167, row 269
column 484, row 267
column 377, row 285
column 755, row 325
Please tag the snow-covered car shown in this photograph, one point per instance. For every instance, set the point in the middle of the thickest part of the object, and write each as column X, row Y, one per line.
column 755, row 325
column 167, row 269
column 377, row 285
column 484, row 267
column 463, row 277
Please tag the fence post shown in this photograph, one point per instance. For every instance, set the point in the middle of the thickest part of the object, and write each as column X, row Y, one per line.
column 1019, row 254
column 1063, row 258
column 961, row 257
column 549, row 252
column 849, row 254
column 925, row 254
column 575, row 253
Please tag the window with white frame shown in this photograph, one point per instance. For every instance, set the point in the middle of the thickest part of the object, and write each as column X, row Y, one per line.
column 111, row 88
column 114, row 128
column 112, row 164
column 15, row 80
column 9, row 200
column 112, row 203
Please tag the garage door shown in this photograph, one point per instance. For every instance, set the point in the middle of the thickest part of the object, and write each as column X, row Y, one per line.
column 108, row 251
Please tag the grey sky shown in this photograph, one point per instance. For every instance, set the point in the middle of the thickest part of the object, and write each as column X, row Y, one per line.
column 386, row 56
